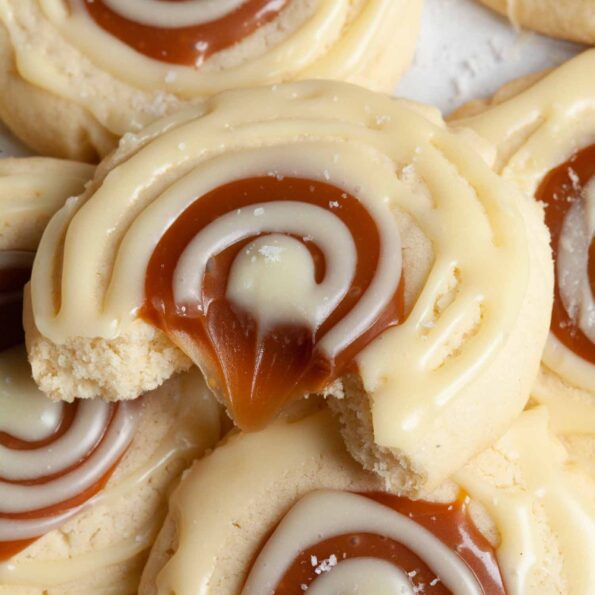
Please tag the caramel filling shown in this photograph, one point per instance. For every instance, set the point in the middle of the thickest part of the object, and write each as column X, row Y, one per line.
column 12, row 280
column 11, row 548
column 189, row 45
column 560, row 189
column 451, row 523
column 258, row 369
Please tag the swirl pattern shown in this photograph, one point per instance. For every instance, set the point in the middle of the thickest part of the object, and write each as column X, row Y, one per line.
column 53, row 456
column 242, row 205
column 348, row 522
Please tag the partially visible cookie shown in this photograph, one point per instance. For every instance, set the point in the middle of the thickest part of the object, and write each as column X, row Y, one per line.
column 264, row 512
column 570, row 19
column 76, row 533
column 78, row 74
column 543, row 129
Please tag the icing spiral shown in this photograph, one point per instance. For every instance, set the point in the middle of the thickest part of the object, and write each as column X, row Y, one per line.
column 338, row 542
column 295, row 274
column 53, row 456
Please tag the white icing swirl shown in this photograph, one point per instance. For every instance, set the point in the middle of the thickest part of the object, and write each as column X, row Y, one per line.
column 163, row 15
column 573, row 262
column 310, row 302
column 324, row 514
column 83, row 454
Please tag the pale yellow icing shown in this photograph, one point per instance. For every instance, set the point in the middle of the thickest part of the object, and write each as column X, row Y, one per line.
column 534, row 132
column 368, row 144
column 196, row 426
column 530, row 472
column 316, row 38
column 545, row 478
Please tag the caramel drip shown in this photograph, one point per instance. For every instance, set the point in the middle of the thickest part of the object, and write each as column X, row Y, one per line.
column 256, row 374
column 12, row 281
column 186, row 46
column 451, row 523
column 559, row 190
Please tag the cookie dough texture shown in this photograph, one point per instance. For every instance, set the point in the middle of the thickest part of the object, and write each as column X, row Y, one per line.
column 32, row 189
column 460, row 366
column 228, row 503
column 104, row 548
column 570, row 19
column 70, row 89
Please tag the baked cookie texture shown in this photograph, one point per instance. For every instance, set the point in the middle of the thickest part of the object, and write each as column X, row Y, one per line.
column 71, row 88
column 32, row 189
column 104, row 547
column 537, row 123
column 573, row 20
column 430, row 392
column 533, row 506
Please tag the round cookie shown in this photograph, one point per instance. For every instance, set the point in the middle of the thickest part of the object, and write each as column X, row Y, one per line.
column 78, row 74
column 573, row 19
column 259, row 515
column 97, row 542
column 314, row 237
column 540, row 127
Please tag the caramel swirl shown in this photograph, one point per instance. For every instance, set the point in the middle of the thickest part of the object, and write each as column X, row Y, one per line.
column 568, row 192
column 180, row 31
column 274, row 284
column 344, row 542
column 53, row 457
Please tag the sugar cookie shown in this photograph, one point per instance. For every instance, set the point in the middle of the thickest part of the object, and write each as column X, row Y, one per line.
column 285, row 510
column 544, row 130
column 77, row 74
column 87, row 528
column 352, row 237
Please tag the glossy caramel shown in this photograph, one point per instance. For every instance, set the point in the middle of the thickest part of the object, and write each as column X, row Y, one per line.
column 256, row 375
column 451, row 523
column 559, row 190
column 186, row 46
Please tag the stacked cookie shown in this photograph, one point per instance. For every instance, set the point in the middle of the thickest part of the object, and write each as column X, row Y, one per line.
column 324, row 311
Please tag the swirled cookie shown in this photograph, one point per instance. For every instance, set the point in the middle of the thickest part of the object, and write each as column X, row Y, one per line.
column 77, row 74
column 572, row 19
column 32, row 189
column 544, row 131
column 83, row 486
column 313, row 237
column 286, row 510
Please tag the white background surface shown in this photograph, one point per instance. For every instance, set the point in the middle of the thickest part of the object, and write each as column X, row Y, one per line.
column 464, row 51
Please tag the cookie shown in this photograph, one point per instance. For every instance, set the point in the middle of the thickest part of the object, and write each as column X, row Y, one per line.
column 286, row 510
column 543, row 128
column 32, row 189
column 77, row 74
column 87, row 527
column 573, row 20
column 313, row 237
